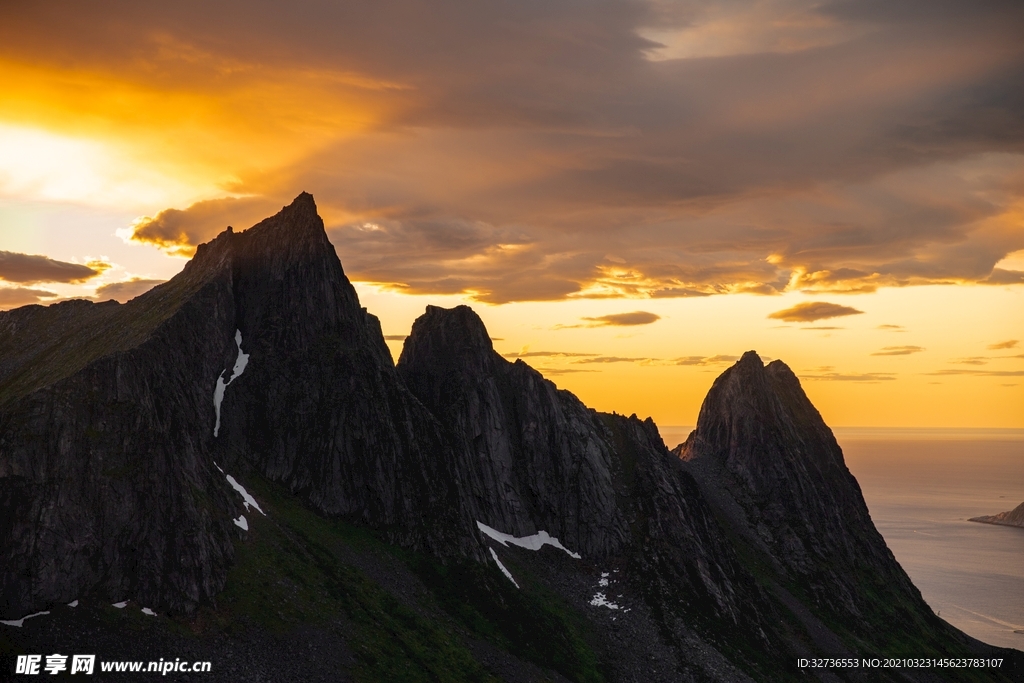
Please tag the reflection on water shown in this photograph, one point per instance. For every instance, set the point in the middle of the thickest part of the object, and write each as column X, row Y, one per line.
column 921, row 486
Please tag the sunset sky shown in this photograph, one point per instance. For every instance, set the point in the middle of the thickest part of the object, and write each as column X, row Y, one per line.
column 630, row 193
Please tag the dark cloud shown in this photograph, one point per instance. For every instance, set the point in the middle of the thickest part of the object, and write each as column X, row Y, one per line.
column 505, row 150
column 975, row 360
column 1008, row 344
column 898, row 350
column 624, row 319
column 894, row 328
column 613, row 359
column 810, row 311
column 395, row 337
column 179, row 231
column 1000, row 276
column 11, row 297
column 30, row 269
column 126, row 290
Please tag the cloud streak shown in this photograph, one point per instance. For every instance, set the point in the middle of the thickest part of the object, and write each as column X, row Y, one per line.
column 624, row 319
column 811, row 311
column 126, row 290
column 11, row 297
column 30, row 269
column 898, row 350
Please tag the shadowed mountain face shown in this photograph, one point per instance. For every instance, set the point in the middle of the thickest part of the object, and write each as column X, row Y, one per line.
column 107, row 449
column 120, row 423
column 783, row 466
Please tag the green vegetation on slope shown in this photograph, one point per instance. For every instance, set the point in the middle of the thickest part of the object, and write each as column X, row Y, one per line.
column 296, row 567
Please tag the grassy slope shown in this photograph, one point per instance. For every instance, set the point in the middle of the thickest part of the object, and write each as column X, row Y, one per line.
column 294, row 567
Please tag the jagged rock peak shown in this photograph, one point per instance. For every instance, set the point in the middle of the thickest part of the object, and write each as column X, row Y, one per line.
column 452, row 333
column 294, row 224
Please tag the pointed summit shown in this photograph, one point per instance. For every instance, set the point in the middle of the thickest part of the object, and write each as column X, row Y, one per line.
column 760, row 442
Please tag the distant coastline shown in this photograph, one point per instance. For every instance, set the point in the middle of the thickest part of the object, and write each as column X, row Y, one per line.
column 1014, row 517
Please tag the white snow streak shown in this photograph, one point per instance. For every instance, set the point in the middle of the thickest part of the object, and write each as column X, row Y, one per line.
column 73, row 603
column 502, row 568
column 604, row 580
column 535, row 542
column 146, row 610
column 599, row 600
column 241, row 523
column 218, row 392
column 19, row 622
column 120, row 605
column 249, row 500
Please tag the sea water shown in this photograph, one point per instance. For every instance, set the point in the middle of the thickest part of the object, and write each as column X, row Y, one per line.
column 921, row 486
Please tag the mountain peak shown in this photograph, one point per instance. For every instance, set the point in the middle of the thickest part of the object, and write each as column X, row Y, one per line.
column 454, row 333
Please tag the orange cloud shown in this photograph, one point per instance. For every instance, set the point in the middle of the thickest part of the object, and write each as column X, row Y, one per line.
column 31, row 269
column 126, row 290
column 11, row 297
column 813, row 310
column 898, row 351
column 625, row 319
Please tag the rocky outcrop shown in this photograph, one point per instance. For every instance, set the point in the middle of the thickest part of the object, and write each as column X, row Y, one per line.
column 1014, row 517
column 108, row 481
column 531, row 457
column 320, row 407
column 765, row 458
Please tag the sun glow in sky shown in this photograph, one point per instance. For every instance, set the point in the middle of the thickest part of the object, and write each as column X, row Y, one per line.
column 631, row 194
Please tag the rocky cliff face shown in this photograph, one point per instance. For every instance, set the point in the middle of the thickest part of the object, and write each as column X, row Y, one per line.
column 119, row 422
column 766, row 459
column 531, row 457
column 108, row 481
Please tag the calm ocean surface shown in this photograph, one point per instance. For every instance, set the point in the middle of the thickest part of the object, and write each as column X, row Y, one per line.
column 921, row 486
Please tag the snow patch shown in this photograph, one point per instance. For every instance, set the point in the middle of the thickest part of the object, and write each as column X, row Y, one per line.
column 504, row 571
column 249, row 500
column 599, row 600
column 73, row 603
column 604, row 579
column 120, row 605
column 241, row 523
column 218, row 392
column 535, row 542
column 19, row 622
column 146, row 610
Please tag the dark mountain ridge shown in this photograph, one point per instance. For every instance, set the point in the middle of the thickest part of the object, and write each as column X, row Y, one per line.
column 119, row 422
